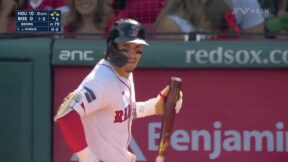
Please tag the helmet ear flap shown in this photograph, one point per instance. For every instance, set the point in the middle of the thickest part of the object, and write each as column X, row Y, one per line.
column 115, row 56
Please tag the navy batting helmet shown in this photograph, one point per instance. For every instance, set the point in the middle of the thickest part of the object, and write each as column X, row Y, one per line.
column 123, row 31
column 127, row 31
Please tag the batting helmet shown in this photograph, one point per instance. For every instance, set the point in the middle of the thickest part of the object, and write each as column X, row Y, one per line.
column 123, row 31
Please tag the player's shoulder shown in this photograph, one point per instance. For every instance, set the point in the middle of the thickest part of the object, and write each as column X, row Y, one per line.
column 103, row 71
column 103, row 74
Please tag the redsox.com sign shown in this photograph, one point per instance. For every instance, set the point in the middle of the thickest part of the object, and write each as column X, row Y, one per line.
column 228, row 115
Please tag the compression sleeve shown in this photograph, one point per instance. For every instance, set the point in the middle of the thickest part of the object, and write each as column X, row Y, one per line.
column 73, row 131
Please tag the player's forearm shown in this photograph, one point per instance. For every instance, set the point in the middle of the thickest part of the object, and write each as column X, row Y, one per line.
column 73, row 132
column 146, row 108
column 153, row 106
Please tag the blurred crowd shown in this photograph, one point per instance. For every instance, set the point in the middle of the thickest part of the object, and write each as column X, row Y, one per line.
column 169, row 19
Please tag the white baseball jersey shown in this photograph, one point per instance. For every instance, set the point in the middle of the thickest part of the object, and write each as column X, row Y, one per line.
column 107, row 109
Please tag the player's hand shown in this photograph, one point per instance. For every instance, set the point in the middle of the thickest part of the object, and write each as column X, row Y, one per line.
column 179, row 102
column 86, row 155
column 159, row 159
column 161, row 98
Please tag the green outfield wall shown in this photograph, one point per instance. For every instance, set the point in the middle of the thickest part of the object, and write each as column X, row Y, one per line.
column 25, row 101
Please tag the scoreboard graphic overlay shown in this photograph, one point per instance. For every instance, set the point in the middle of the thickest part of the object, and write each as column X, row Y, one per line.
column 38, row 21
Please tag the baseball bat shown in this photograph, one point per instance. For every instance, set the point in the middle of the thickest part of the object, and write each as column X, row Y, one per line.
column 168, row 116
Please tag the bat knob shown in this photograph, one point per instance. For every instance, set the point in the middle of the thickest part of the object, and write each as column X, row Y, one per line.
column 159, row 159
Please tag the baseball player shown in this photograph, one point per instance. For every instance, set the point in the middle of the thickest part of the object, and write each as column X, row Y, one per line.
column 96, row 118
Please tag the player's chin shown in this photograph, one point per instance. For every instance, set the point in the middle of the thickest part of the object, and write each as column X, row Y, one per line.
column 130, row 68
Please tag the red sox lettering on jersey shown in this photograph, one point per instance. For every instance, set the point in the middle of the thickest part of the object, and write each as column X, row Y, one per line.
column 122, row 115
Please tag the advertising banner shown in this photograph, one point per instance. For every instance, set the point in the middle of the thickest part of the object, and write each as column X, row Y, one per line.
column 227, row 115
column 180, row 54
